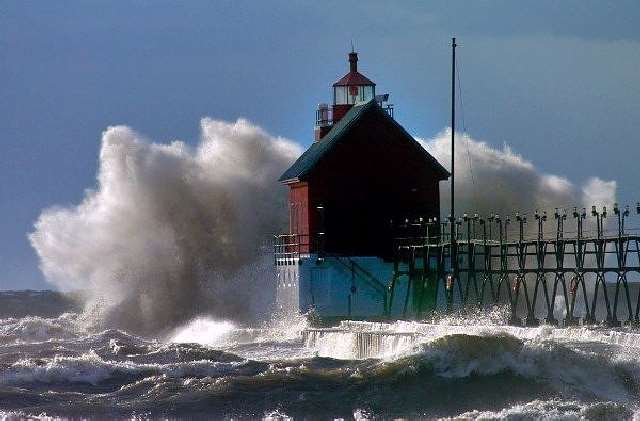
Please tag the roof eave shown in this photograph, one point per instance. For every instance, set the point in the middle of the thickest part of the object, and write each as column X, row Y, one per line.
column 351, row 84
column 348, row 80
column 290, row 180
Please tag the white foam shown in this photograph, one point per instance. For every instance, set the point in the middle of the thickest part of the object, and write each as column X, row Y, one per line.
column 562, row 357
column 553, row 410
column 204, row 330
column 34, row 329
column 90, row 368
column 276, row 416
column 400, row 337
column 21, row 415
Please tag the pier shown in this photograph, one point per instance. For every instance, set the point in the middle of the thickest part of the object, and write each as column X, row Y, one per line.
column 585, row 274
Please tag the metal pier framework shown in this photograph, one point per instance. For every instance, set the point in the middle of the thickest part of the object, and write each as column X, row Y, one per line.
column 587, row 275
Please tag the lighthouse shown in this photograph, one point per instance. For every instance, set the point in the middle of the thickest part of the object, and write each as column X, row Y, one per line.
column 351, row 89
column 363, row 173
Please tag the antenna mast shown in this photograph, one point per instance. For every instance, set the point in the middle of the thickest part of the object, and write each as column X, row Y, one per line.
column 453, row 129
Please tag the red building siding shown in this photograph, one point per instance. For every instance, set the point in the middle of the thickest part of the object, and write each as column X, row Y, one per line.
column 373, row 176
column 299, row 215
column 339, row 111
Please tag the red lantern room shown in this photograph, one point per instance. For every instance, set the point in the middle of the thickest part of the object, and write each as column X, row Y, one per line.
column 351, row 89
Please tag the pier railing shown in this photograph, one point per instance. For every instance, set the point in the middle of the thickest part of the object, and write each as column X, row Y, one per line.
column 588, row 273
column 287, row 248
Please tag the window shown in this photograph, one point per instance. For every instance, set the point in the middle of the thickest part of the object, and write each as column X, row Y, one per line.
column 340, row 95
column 368, row 92
column 353, row 94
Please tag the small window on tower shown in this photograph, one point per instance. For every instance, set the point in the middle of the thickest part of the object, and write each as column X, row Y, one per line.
column 341, row 96
column 368, row 92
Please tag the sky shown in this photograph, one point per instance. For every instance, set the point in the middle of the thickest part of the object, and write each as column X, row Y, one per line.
column 556, row 81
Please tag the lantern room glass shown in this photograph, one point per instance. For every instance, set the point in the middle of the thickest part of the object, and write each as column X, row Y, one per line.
column 353, row 94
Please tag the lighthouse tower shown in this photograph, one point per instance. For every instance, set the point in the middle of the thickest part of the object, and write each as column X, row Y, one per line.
column 362, row 172
column 351, row 89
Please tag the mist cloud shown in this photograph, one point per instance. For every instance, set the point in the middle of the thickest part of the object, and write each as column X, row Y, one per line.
column 170, row 229
column 490, row 180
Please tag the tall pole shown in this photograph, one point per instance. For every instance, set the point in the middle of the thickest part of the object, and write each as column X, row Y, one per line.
column 454, row 247
column 453, row 124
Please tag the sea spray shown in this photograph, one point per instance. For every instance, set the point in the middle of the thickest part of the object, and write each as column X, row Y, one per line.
column 491, row 180
column 203, row 330
column 170, row 231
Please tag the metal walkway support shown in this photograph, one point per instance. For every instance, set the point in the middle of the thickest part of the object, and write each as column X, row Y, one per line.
column 588, row 276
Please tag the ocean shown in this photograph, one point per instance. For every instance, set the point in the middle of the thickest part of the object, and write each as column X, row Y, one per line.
column 66, row 366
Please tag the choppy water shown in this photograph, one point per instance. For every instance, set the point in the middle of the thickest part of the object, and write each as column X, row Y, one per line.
column 55, row 367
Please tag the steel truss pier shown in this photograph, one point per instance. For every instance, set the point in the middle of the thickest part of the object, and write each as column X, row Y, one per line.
column 583, row 276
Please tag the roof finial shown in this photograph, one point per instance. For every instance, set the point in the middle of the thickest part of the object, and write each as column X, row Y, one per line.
column 353, row 50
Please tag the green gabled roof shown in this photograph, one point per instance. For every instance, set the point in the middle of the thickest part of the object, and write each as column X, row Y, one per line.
column 310, row 158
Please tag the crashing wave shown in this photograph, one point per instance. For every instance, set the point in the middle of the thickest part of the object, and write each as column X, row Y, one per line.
column 92, row 369
column 553, row 410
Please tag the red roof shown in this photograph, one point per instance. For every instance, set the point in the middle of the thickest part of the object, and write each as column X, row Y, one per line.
column 353, row 78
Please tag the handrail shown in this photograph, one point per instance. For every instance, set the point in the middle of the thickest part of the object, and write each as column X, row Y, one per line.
column 289, row 247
